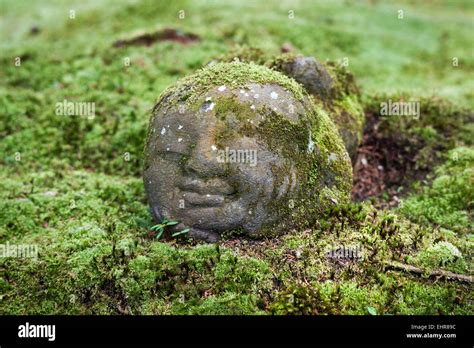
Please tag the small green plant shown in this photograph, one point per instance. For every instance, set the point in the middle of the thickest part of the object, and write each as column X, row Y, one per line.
column 186, row 230
column 372, row 310
column 160, row 228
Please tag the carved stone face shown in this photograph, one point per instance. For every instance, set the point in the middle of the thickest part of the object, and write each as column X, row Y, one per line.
column 222, row 163
column 210, row 170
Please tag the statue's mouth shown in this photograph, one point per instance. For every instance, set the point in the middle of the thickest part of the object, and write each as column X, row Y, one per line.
column 206, row 193
column 206, row 200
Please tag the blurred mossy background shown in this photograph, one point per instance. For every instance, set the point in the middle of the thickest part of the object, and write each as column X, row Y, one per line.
column 72, row 185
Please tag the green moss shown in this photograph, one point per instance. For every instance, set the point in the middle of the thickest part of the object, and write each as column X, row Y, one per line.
column 428, row 134
column 446, row 118
column 350, row 285
column 448, row 201
column 442, row 254
column 244, row 54
column 104, row 200
column 302, row 300
column 343, row 81
column 234, row 75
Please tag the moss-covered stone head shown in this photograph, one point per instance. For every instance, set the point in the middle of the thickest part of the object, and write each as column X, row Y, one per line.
column 240, row 147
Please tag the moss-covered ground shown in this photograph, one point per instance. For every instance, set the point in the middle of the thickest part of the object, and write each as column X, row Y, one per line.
column 72, row 185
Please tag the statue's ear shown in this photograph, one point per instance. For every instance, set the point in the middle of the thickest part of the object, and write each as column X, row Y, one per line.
column 308, row 71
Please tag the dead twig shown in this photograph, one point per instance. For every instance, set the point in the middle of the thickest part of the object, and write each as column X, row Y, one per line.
column 432, row 273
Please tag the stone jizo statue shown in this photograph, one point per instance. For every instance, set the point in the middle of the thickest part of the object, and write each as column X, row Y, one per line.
column 239, row 147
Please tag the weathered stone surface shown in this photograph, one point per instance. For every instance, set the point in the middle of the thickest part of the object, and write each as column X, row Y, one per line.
column 240, row 147
column 310, row 73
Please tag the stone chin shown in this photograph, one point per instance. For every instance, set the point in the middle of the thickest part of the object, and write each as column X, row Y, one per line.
column 209, row 215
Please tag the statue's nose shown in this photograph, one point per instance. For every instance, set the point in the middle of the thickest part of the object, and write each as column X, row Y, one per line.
column 203, row 160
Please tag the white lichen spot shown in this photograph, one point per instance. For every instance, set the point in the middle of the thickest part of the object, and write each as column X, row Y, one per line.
column 208, row 195
column 250, row 212
column 246, row 94
column 167, row 149
column 310, row 144
column 332, row 157
column 213, row 147
column 180, row 140
column 208, row 99
column 209, row 107
column 256, row 96
column 221, row 88
column 180, row 126
column 163, row 131
column 274, row 95
column 442, row 247
column 242, row 91
column 252, row 107
column 154, row 130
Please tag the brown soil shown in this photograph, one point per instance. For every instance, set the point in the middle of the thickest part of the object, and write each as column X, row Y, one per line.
column 148, row 39
column 386, row 163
